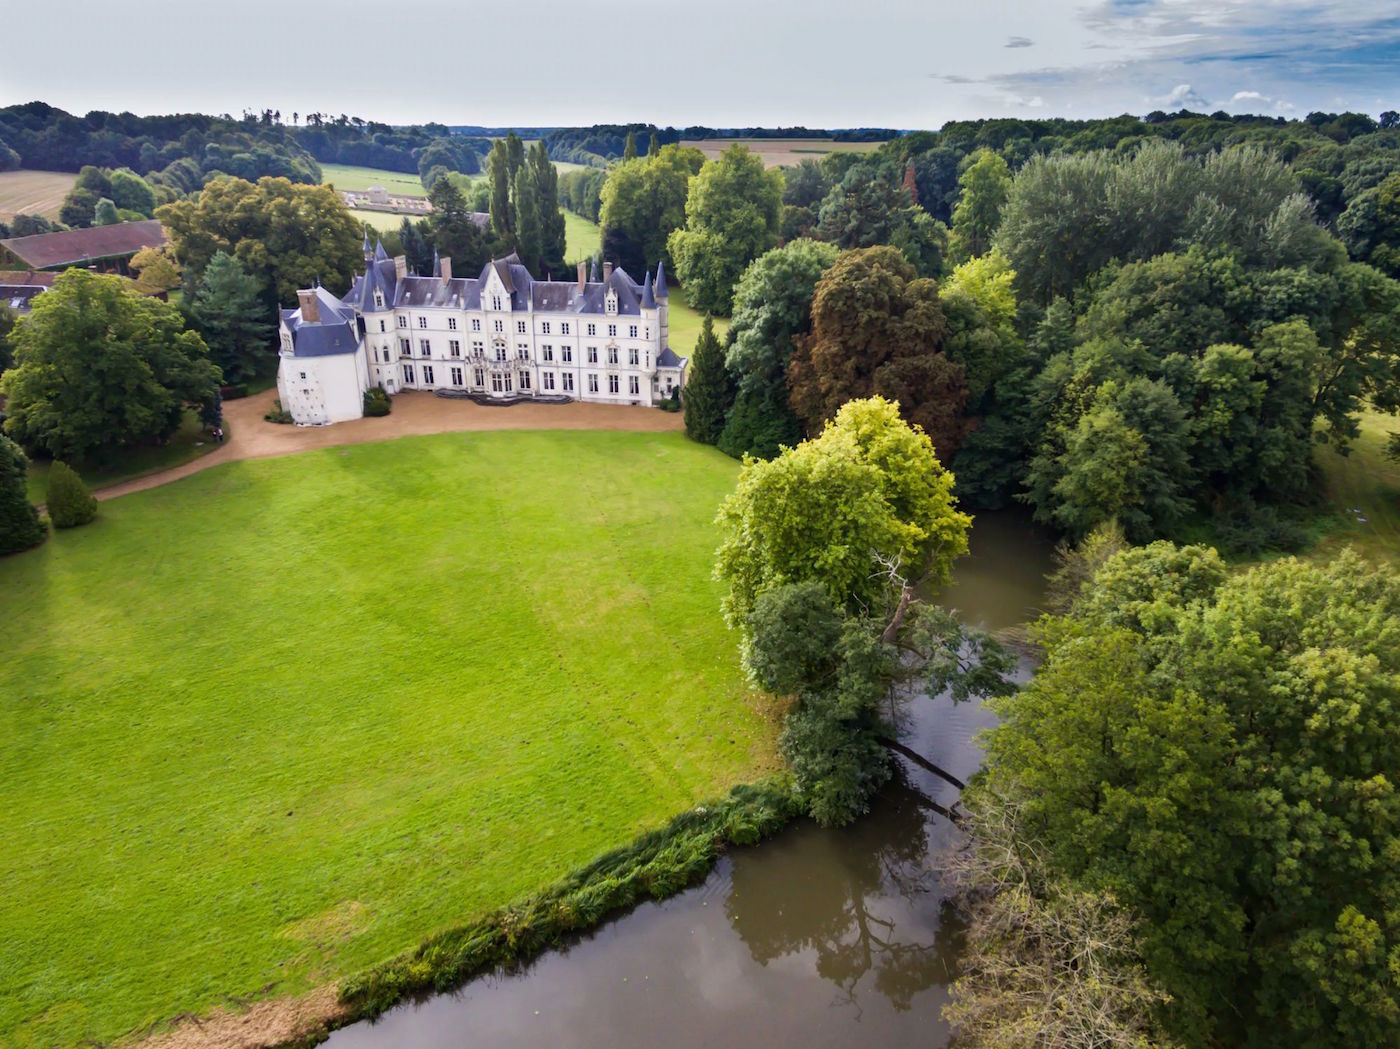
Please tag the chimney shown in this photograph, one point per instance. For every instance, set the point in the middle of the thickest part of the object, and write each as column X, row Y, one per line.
column 446, row 270
column 310, row 307
column 400, row 266
column 582, row 276
column 607, row 271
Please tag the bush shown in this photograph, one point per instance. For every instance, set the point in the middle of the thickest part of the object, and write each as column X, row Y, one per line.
column 70, row 503
column 234, row 392
column 278, row 414
column 1250, row 529
column 376, row 402
column 20, row 527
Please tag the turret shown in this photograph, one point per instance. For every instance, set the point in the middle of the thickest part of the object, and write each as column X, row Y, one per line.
column 663, row 306
column 369, row 250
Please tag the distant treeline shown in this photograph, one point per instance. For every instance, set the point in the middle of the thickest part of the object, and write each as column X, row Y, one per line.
column 416, row 149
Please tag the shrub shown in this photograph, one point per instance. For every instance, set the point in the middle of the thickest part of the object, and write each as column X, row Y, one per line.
column 278, row 414
column 20, row 527
column 70, row 503
column 376, row 402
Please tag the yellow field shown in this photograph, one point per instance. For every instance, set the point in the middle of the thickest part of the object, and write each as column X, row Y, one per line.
column 33, row 192
column 783, row 152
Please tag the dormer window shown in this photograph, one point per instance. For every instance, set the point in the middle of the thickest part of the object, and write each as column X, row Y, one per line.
column 611, row 302
column 378, row 300
column 495, row 302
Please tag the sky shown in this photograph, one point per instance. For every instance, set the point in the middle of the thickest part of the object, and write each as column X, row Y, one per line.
column 721, row 63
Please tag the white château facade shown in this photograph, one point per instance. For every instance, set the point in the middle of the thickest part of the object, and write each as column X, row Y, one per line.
column 501, row 335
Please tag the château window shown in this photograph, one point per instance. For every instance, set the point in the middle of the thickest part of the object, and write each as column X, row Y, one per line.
column 592, row 355
column 478, row 377
column 500, row 352
column 593, row 329
column 612, row 384
column 612, row 331
column 425, row 348
column 544, row 327
column 381, row 325
column 632, row 330
column 303, row 376
column 564, row 328
column 495, row 302
column 567, row 354
column 520, row 327
column 378, row 300
column 592, row 383
column 612, row 356
column 408, row 373
column 632, row 386
column 452, row 323
column 568, row 382
column 632, row 357
column 500, row 326
column 422, row 322
column 456, row 376
column 403, row 321
column 454, row 347
column 548, row 380
column 477, row 347
column 524, row 380
column 546, row 352
column 522, row 352
column 611, row 304
column 496, row 385
column 428, row 374
column 403, row 348
column 476, row 324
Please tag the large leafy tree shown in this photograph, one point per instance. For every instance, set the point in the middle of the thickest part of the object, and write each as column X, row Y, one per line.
column 708, row 390
column 227, row 313
column 732, row 214
column 878, row 329
column 870, row 206
column 7, row 327
column 20, row 526
column 983, row 187
column 287, row 235
column 869, row 484
column 97, row 364
column 1218, row 752
column 1370, row 226
column 642, row 202
column 772, row 305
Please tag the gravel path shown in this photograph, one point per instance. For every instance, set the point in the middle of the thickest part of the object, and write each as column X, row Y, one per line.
column 415, row 413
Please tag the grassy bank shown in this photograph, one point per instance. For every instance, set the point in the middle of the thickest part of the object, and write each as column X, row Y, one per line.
column 582, row 239
column 123, row 464
column 1363, row 489
column 351, row 178
column 275, row 723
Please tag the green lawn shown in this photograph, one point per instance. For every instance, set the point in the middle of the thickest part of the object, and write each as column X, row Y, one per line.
column 353, row 179
column 582, row 239
column 384, row 221
column 277, row 721
column 685, row 322
column 189, row 442
column 1364, row 490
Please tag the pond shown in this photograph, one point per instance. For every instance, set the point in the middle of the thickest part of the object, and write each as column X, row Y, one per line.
column 817, row 938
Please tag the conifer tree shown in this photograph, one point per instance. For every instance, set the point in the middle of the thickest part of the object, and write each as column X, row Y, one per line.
column 708, row 393
column 629, row 151
column 69, row 502
column 229, row 315
column 20, row 527
column 654, row 146
column 527, row 220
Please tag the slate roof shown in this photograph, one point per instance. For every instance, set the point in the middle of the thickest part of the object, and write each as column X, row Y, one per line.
column 668, row 358
column 335, row 333
column 19, row 287
column 73, row 247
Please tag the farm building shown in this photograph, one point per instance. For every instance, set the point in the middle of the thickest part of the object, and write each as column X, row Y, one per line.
column 500, row 336
column 106, row 248
column 19, row 287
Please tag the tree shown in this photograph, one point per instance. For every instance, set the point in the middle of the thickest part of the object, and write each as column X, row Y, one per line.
column 732, row 213
column 653, row 145
column 869, row 207
column 105, row 213
column 878, row 329
column 983, row 187
column 502, row 217
column 287, row 236
column 69, row 502
column 155, row 269
column 7, row 327
column 130, row 192
column 229, row 317
column 528, row 231
column 629, row 151
column 89, row 336
column 1215, row 749
column 642, row 202
column 553, row 242
column 772, row 305
column 708, row 392
column 1370, row 226
column 20, row 526
column 869, row 484
column 79, row 208
column 451, row 230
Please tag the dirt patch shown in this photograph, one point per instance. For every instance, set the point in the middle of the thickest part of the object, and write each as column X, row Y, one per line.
column 415, row 414
column 262, row 1024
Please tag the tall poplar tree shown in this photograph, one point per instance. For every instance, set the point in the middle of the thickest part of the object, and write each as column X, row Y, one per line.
column 502, row 219
column 629, row 151
column 527, row 219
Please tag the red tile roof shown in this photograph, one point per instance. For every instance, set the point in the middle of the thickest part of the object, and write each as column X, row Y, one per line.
column 78, row 246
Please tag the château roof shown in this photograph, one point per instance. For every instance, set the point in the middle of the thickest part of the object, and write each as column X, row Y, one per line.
column 335, row 332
